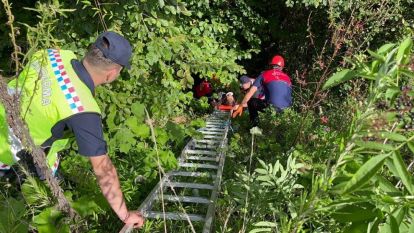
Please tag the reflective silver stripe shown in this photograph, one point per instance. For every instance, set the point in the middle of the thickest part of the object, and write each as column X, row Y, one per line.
column 12, row 91
column 15, row 144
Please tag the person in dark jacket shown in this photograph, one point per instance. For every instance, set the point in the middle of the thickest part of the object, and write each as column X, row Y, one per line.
column 277, row 89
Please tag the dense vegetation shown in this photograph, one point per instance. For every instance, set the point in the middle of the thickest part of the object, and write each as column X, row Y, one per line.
column 340, row 160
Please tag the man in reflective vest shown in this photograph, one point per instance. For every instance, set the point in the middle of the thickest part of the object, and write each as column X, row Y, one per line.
column 57, row 97
column 277, row 89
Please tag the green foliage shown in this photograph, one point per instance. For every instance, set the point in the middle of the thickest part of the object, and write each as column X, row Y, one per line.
column 353, row 174
column 348, row 174
column 369, row 182
column 36, row 193
column 12, row 216
column 48, row 221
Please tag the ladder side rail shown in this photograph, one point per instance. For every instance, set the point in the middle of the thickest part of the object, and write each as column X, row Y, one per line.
column 212, row 207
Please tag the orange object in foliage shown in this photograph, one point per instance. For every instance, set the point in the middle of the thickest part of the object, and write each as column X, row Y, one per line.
column 225, row 107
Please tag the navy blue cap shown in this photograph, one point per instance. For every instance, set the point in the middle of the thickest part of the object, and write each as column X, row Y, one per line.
column 119, row 50
column 244, row 79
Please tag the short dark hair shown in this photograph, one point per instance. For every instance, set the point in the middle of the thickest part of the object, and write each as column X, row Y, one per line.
column 95, row 57
column 276, row 67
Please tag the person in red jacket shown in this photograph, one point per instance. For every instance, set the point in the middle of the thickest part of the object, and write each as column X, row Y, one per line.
column 277, row 88
column 203, row 89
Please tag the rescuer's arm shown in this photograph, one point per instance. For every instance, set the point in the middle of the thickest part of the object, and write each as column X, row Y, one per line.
column 87, row 128
column 109, row 182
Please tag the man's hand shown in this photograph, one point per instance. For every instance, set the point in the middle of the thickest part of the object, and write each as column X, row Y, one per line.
column 238, row 112
column 135, row 219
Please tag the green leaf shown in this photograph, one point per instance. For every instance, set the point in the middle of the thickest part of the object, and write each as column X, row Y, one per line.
column 393, row 136
column 411, row 146
column 265, row 178
column 403, row 173
column 376, row 56
column 390, row 226
column 365, row 173
column 143, row 131
column 110, row 118
column 359, row 227
column 391, row 92
column 265, row 224
column 86, row 206
column 161, row 136
column 359, row 212
column 171, row 9
column 374, row 145
column 12, row 216
column 261, row 171
column 48, row 221
column 385, row 185
column 403, row 51
column 261, row 230
column 35, row 192
column 161, row 3
column 411, row 229
column 399, row 214
column 175, row 131
column 138, row 110
column 385, row 48
column 339, row 77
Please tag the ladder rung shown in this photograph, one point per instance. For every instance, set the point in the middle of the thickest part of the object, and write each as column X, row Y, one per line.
column 211, row 132
column 213, row 136
column 188, row 199
column 205, row 146
column 192, row 174
column 215, row 125
column 189, row 185
column 201, row 158
column 208, row 141
column 174, row 216
column 198, row 165
column 216, row 129
column 200, row 152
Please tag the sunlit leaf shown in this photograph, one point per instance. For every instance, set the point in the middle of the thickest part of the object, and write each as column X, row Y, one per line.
column 374, row 145
column 365, row 173
column 385, row 48
column 139, row 110
column 393, row 136
column 339, row 77
column 403, row 51
column 390, row 226
column 376, row 56
column 385, row 185
column 402, row 172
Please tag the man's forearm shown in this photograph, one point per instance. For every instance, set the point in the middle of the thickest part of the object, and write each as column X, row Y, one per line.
column 108, row 181
column 249, row 95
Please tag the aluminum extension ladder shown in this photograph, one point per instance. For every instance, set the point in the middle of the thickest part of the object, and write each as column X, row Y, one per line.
column 201, row 158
